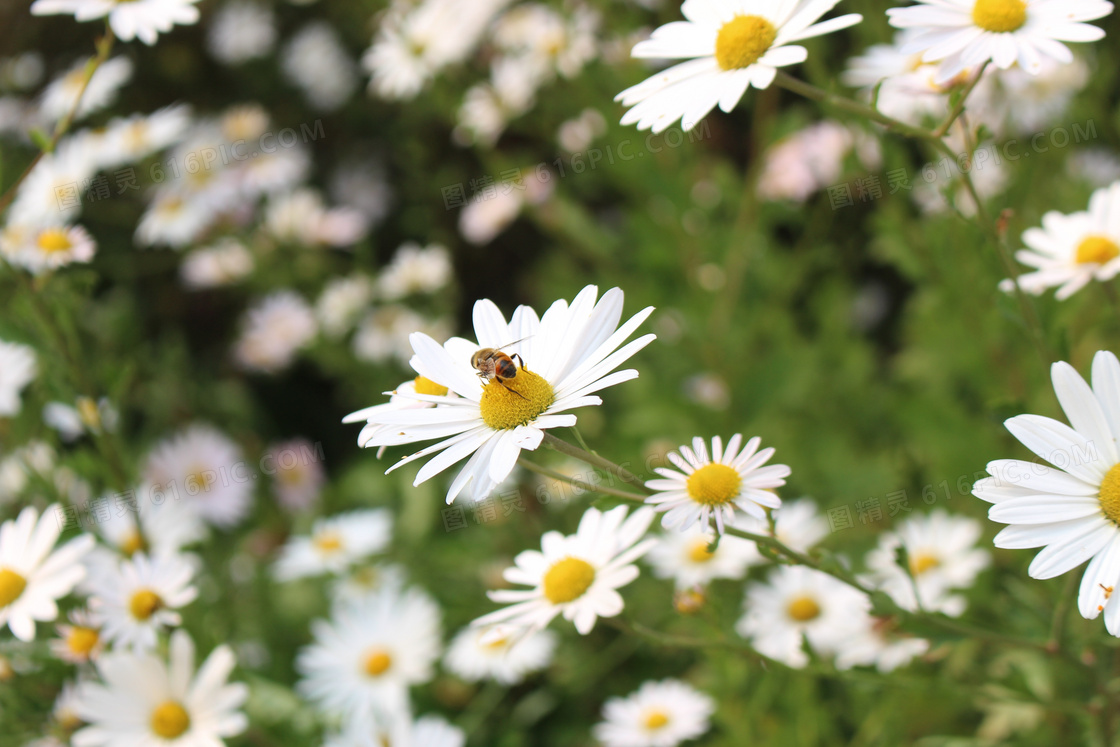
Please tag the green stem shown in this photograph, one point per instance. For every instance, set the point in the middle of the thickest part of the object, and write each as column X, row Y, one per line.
column 844, row 103
column 482, row 705
column 579, row 483
column 596, row 461
column 943, row 128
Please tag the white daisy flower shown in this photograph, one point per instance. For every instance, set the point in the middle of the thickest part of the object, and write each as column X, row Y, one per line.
column 62, row 93
column 797, row 524
column 317, row 63
column 85, row 415
column 34, row 575
column 298, row 477
column 137, row 19
column 812, row 159
column 684, row 557
column 35, row 459
column 342, row 302
column 384, row 333
column 943, row 556
column 274, row 330
column 145, row 701
column 241, row 31
column 577, row 576
column 130, row 139
column 173, row 220
column 364, row 660
column 204, row 470
column 415, row 269
column 564, row 358
column 714, row 487
column 658, row 714
column 879, row 645
column 135, row 600
column 504, row 654
column 964, row 33
column 335, row 544
column 796, row 602
column 49, row 194
column 731, row 45
column 224, row 263
column 52, row 247
column 1073, row 508
column 908, row 88
column 64, row 711
column 366, row 580
column 301, row 217
column 401, row 398
column 426, row 731
column 1071, row 250
column 80, row 640
column 18, row 368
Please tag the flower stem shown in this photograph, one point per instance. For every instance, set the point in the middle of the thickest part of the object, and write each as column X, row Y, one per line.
column 579, row 483
column 943, row 128
column 596, row 461
column 813, row 93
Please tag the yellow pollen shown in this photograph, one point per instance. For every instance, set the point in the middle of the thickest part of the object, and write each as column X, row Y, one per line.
column 804, row 609
column 1109, row 498
column 698, row 553
column 999, row 16
column 170, row 720
column 328, row 542
column 11, row 586
column 54, row 240
column 377, row 662
column 133, row 543
column 923, row 562
column 427, row 386
column 1097, row 250
column 81, row 641
column 517, row 401
column 656, row 719
column 714, row 484
column 742, row 40
column 567, row 580
column 144, row 604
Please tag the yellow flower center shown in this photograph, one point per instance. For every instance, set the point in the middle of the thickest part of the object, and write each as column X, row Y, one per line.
column 742, row 40
column 714, row 484
column 1097, row 250
column 378, row 662
column 11, row 586
column 328, row 542
column 803, row 609
column 498, row 644
column 170, row 720
column 133, row 543
column 656, row 719
column 922, row 562
column 1110, row 504
column 54, row 240
column 144, row 604
column 999, row 16
column 198, row 480
column 698, row 553
column 517, row 401
column 81, row 641
column 567, row 580
column 89, row 413
column 427, row 386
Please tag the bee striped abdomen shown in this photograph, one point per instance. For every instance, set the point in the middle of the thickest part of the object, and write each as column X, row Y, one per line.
column 506, row 368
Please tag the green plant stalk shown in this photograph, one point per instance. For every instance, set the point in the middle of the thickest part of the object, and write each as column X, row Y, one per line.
column 595, row 460
column 578, row 483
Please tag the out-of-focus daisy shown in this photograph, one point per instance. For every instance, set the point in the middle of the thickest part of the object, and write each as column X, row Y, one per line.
column 659, row 714
column 61, row 95
column 684, row 557
column 363, row 661
column 1071, row 250
column 796, row 602
column 487, row 216
column 488, row 107
column 797, row 524
column 315, row 60
column 1072, row 510
column 224, row 263
column 173, row 220
column 136, row 19
column 297, row 476
column 577, row 576
column 64, row 711
column 714, row 487
column 32, row 461
column 137, row 599
column 1027, row 103
column 203, row 470
column 241, row 31
column 577, row 134
column 335, row 544
column 18, row 368
column 812, row 159
column 80, row 640
column 129, row 139
column 415, row 269
column 538, row 36
column 426, row 731
column 365, row 580
column 52, row 247
column 964, row 33
column 730, row 46
column 567, row 356
column 33, row 574
column 85, row 415
column 300, row 217
column 341, row 302
column 49, row 194
column 144, row 701
column 907, row 88
column 383, row 334
column 274, row 331
column 943, row 556
column 137, row 526
column 878, row 644
column 503, row 655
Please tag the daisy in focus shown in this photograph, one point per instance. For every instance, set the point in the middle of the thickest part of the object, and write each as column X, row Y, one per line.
column 963, row 33
column 135, row 19
column 335, row 544
column 713, row 487
column 577, row 576
column 137, row 599
column 504, row 655
column 659, row 714
column 564, row 358
column 730, row 46
column 33, row 574
column 1071, row 510
column 1071, row 250
column 143, row 700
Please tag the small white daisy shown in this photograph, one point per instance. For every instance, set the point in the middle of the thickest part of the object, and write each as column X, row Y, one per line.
column 241, row 31
column 415, row 269
column 297, row 477
column 173, row 220
column 18, row 368
column 223, row 263
column 796, row 602
column 274, row 331
column 62, row 93
column 1072, row 510
column 577, row 576
column 684, row 557
column 366, row 580
column 426, row 731
column 964, row 33
column 136, row 19
column 714, row 487
column 130, row 139
column 341, row 303
column 49, row 194
column 1071, row 250
column 80, row 640
column 145, row 701
column 34, row 575
column 732, row 44
column 384, row 333
column 505, row 655
column 943, row 557
column 363, row 661
column 316, row 61
column 566, row 356
column 659, row 714
column 135, row 600
column 878, row 644
column 797, row 524
column 335, row 544
column 52, row 247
